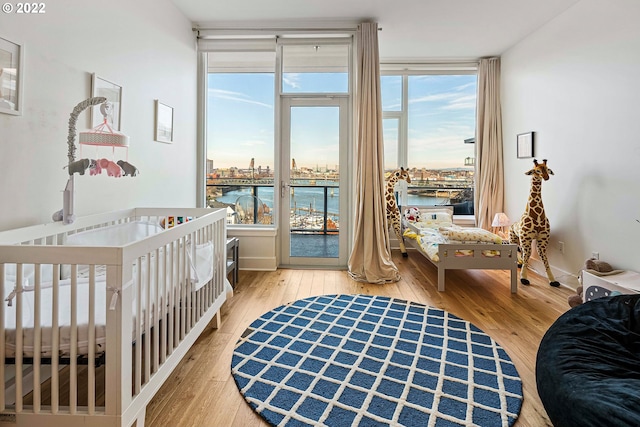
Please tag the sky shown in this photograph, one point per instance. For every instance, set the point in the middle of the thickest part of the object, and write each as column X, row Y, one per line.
column 441, row 115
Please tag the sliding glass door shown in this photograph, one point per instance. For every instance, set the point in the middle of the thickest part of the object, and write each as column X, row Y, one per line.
column 313, row 217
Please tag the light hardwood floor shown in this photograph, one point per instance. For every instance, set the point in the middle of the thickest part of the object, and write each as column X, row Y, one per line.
column 202, row 392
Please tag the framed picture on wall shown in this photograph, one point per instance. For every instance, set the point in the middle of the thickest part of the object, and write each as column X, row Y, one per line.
column 11, row 76
column 113, row 93
column 164, row 122
column 525, row 145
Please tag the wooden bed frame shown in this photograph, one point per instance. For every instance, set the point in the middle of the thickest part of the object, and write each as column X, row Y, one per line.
column 506, row 260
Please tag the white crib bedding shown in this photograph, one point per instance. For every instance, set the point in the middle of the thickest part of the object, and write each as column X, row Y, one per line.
column 201, row 272
column 64, row 320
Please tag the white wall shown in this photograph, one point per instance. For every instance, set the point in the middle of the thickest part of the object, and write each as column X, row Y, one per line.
column 576, row 83
column 148, row 48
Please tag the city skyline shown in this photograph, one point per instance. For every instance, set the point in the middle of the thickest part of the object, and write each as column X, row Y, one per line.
column 258, row 171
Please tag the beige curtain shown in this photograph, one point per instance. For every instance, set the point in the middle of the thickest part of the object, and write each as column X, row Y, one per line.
column 490, row 166
column 370, row 259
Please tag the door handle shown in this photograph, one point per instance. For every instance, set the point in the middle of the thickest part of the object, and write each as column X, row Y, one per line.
column 283, row 188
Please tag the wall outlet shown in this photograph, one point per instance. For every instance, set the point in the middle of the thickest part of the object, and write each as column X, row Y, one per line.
column 561, row 247
column 595, row 255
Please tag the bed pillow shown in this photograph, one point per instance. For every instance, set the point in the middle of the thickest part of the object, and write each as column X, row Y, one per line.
column 416, row 214
column 435, row 215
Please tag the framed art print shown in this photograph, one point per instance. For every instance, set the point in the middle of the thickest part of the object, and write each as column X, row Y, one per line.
column 11, row 76
column 164, row 122
column 113, row 93
column 525, row 145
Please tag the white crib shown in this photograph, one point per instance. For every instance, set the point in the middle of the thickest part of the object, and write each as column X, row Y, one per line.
column 81, row 348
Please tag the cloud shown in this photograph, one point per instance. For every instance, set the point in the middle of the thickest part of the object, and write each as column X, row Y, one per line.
column 433, row 98
column 253, row 143
column 437, row 151
column 465, row 86
column 394, row 107
column 461, row 103
column 291, row 79
column 236, row 96
column 451, row 100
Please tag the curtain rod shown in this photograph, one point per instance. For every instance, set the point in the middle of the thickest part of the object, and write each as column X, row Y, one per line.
column 236, row 30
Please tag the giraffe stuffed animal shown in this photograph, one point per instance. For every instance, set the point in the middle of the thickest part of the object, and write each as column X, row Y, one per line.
column 393, row 213
column 534, row 225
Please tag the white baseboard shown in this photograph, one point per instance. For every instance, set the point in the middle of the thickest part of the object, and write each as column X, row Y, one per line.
column 258, row 263
column 566, row 279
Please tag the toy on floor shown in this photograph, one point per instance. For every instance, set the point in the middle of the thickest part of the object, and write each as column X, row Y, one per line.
column 534, row 225
column 575, row 299
column 393, row 213
column 598, row 267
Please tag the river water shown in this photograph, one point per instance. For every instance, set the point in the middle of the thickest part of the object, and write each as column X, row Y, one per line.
column 306, row 198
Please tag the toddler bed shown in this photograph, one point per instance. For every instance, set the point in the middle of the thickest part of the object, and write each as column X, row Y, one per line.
column 431, row 231
column 114, row 291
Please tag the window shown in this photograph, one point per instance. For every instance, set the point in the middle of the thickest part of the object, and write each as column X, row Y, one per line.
column 315, row 68
column 435, row 117
column 240, row 134
column 243, row 87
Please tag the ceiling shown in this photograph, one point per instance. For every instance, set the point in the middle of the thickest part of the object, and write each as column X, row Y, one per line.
column 412, row 30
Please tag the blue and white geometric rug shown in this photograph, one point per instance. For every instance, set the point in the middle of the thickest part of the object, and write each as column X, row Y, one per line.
column 361, row 360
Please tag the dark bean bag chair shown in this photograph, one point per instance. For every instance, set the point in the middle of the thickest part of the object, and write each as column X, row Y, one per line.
column 588, row 365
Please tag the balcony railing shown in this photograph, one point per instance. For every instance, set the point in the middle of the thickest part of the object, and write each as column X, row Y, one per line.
column 314, row 209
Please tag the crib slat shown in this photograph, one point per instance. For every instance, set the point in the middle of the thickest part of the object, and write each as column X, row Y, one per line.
column 91, row 380
column 207, row 294
column 198, row 303
column 187, row 287
column 163, row 308
column 181, row 263
column 189, row 253
column 156, row 311
column 147, row 322
column 172, row 300
column 138, row 329
column 186, row 306
column 55, row 340
column 18, row 337
column 2, row 341
column 73, row 342
column 196, row 295
column 180, row 298
column 37, row 338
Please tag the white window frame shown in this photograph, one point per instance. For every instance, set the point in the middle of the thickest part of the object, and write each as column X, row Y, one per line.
column 417, row 69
